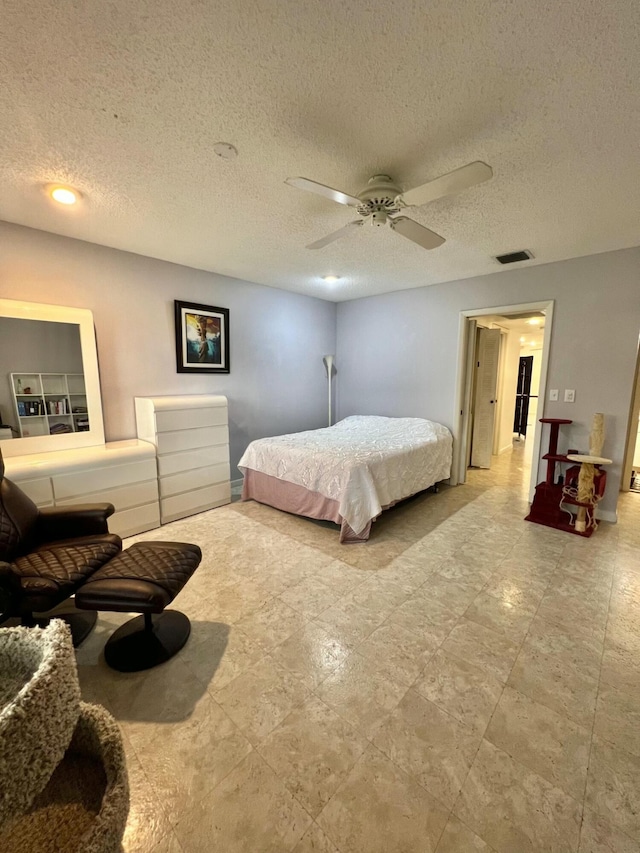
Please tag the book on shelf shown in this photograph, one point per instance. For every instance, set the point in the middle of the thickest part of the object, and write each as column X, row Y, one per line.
column 31, row 408
column 58, row 429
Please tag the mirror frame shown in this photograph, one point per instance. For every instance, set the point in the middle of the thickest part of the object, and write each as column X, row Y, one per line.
column 67, row 441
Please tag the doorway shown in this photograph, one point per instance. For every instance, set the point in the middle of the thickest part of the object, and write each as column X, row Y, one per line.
column 494, row 387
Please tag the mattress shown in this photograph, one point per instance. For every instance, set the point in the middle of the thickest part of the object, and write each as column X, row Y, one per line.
column 364, row 463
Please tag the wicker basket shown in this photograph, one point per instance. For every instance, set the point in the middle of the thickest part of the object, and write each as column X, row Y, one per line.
column 84, row 807
column 63, row 778
column 39, row 708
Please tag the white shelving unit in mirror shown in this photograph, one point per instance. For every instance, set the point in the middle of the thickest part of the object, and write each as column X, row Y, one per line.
column 50, row 403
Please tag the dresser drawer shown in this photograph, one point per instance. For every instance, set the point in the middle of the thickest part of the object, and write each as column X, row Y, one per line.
column 199, row 500
column 40, row 491
column 124, row 497
column 190, row 419
column 136, row 520
column 188, row 439
column 195, row 479
column 187, row 460
column 97, row 480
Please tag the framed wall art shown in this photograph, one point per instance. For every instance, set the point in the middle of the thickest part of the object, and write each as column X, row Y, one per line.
column 202, row 338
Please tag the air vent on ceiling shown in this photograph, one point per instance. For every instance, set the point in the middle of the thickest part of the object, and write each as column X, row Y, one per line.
column 514, row 257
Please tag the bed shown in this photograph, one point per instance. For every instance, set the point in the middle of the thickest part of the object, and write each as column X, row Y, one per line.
column 347, row 473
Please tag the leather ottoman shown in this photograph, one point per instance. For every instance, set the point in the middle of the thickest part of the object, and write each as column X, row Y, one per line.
column 143, row 579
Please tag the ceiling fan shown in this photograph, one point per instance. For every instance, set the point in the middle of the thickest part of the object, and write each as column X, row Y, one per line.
column 382, row 200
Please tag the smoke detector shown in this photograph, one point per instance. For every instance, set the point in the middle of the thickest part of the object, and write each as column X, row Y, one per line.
column 225, row 150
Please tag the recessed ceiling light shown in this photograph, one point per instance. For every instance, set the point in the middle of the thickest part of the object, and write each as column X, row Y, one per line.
column 534, row 321
column 63, row 195
column 331, row 278
column 225, row 150
column 532, row 344
column 521, row 340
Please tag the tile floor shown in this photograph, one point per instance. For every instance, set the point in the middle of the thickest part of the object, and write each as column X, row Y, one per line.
column 463, row 682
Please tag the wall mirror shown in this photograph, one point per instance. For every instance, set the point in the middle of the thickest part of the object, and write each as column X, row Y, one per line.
column 49, row 382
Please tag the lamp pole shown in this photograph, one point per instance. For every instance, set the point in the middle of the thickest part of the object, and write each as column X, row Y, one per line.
column 328, row 363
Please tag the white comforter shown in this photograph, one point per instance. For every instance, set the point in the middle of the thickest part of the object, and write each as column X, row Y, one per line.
column 363, row 462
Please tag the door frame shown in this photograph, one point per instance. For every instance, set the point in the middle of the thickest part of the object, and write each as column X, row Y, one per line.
column 632, row 429
column 460, row 418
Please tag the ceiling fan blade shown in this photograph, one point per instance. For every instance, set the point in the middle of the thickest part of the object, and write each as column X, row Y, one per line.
column 449, row 184
column 416, row 232
column 320, row 189
column 335, row 235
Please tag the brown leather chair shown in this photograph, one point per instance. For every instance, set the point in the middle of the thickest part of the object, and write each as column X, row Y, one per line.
column 47, row 554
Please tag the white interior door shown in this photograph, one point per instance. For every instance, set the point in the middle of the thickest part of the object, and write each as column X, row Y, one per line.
column 485, row 402
column 470, row 373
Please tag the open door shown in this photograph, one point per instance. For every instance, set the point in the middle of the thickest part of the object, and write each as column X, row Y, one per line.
column 484, row 409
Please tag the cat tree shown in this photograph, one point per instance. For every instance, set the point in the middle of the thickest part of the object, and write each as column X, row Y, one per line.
column 581, row 486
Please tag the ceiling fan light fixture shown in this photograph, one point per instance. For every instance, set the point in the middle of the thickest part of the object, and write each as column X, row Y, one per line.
column 381, row 199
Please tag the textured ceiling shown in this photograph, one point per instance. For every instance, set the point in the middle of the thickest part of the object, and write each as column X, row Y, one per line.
column 124, row 100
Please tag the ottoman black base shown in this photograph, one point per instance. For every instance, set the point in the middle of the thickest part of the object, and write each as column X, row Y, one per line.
column 147, row 641
column 81, row 622
column 144, row 578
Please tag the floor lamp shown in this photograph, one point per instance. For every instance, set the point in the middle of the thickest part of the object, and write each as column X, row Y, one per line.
column 328, row 363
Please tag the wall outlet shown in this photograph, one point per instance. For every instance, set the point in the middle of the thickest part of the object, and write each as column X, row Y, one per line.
column 569, row 395
column 553, row 395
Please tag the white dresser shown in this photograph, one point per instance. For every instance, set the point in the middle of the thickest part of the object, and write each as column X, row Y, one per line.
column 123, row 473
column 191, row 436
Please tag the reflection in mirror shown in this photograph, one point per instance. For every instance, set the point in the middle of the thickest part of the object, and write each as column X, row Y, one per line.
column 49, row 387
column 43, row 391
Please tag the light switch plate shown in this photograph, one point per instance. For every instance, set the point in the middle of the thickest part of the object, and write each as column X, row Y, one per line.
column 553, row 395
column 569, row 395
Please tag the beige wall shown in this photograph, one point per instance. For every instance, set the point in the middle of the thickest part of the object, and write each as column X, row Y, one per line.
column 593, row 347
column 277, row 382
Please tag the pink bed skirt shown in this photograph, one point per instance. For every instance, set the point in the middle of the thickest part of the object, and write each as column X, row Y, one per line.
column 300, row 501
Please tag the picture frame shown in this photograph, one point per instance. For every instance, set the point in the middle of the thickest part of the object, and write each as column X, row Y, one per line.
column 202, row 338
